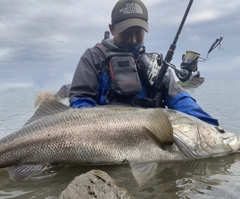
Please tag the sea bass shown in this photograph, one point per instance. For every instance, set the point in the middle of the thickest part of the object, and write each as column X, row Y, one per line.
column 58, row 134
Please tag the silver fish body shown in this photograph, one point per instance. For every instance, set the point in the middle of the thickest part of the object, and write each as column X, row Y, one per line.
column 84, row 136
column 57, row 134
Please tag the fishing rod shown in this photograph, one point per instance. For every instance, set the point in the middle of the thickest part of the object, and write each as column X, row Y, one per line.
column 169, row 55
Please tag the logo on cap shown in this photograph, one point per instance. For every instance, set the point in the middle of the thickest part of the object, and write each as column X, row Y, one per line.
column 131, row 8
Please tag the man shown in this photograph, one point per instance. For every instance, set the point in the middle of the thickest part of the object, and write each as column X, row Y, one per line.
column 118, row 71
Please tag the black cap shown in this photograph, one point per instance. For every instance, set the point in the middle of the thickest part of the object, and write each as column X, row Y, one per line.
column 128, row 13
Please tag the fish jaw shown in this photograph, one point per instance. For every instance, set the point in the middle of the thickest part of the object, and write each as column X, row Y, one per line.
column 206, row 141
column 217, row 141
column 186, row 149
column 232, row 141
column 198, row 139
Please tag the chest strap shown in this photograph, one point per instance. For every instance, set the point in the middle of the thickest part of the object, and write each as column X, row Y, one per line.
column 147, row 102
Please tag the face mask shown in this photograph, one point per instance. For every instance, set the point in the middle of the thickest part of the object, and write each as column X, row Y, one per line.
column 133, row 48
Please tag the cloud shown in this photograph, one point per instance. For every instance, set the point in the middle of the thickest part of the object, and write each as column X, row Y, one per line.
column 42, row 41
column 13, row 84
column 192, row 38
column 5, row 54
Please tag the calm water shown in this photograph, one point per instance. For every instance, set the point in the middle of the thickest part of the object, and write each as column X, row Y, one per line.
column 208, row 178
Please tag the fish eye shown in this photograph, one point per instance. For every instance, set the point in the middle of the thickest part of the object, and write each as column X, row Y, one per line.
column 220, row 130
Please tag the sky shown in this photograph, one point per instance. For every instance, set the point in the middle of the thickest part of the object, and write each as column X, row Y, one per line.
column 41, row 42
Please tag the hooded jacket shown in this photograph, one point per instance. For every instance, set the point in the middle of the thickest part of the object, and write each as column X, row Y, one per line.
column 91, row 84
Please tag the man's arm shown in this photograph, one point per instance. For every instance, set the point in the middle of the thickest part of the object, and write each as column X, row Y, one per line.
column 85, row 83
column 177, row 98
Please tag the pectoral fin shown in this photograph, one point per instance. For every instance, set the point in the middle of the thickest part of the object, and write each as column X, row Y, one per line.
column 144, row 172
column 24, row 172
column 159, row 125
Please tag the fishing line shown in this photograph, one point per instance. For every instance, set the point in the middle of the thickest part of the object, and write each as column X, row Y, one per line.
column 217, row 42
column 201, row 11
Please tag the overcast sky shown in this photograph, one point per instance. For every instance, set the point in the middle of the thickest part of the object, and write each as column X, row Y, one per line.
column 41, row 41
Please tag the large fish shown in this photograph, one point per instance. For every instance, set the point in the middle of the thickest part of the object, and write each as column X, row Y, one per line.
column 58, row 134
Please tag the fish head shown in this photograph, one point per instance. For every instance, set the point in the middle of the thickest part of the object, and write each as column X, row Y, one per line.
column 198, row 139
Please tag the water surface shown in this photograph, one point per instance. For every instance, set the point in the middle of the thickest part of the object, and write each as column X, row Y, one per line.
column 207, row 178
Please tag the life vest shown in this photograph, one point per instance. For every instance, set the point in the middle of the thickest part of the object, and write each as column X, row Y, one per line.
column 120, row 81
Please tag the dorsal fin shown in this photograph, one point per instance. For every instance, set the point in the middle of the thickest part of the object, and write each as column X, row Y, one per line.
column 47, row 108
column 159, row 125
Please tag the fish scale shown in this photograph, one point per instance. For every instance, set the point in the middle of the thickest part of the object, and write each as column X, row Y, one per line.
column 57, row 134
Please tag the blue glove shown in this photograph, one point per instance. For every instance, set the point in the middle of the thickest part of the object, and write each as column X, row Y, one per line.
column 82, row 102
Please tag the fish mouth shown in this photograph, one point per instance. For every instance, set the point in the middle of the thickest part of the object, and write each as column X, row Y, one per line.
column 232, row 141
column 183, row 147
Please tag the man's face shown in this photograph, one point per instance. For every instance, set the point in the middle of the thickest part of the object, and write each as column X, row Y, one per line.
column 131, row 36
